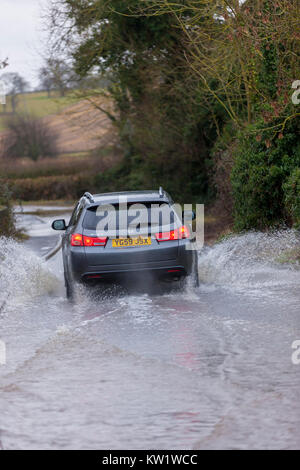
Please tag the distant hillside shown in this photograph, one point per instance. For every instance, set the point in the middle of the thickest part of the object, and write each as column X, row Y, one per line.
column 79, row 124
column 86, row 144
column 82, row 127
column 36, row 103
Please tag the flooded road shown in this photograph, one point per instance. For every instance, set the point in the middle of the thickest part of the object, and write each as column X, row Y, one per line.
column 207, row 368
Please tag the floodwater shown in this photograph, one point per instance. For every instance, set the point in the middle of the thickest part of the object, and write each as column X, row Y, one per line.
column 207, row 368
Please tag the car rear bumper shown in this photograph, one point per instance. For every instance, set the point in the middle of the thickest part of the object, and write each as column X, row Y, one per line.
column 172, row 269
column 141, row 275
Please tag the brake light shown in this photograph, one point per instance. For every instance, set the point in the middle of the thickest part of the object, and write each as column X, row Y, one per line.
column 94, row 241
column 177, row 234
column 81, row 240
column 184, row 232
column 76, row 239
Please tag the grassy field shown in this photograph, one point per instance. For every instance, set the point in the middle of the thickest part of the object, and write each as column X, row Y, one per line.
column 38, row 104
column 64, row 164
column 86, row 145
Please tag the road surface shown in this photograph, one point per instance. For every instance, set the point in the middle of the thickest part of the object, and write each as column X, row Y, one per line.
column 203, row 369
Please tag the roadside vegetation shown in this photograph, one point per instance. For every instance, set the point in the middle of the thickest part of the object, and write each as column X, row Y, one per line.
column 7, row 219
column 202, row 94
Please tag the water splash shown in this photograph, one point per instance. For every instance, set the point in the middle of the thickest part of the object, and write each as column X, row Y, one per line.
column 252, row 262
column 23, row 275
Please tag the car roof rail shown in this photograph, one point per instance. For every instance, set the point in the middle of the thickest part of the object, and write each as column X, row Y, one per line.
column 89, row 196
column 161, row 192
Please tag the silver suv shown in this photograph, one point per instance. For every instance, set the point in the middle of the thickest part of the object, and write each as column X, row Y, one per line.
column 127, row 237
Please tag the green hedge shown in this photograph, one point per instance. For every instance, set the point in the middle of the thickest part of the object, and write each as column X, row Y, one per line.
column 292, row 196
column 263, row 165
column 7, row 220
column 52, row 187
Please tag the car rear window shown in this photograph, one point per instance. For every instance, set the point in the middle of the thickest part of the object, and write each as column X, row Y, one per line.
column 156, row 215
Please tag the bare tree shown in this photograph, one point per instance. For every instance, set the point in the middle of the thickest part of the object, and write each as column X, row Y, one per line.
column 28, row 137
column 58, row 74
column 45, row 80
column 15, row 84
column 229, row 48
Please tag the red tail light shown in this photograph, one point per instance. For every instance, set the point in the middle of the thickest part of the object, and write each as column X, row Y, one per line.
column 81, row 240
column 94, row 241
column 76, row 239
column 184, row 232
column 177, row 234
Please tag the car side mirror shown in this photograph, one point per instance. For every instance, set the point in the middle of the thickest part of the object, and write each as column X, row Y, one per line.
column 59, row 224
column 188, row 216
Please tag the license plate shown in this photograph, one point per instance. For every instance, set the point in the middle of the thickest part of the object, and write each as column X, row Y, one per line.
column 128, row 242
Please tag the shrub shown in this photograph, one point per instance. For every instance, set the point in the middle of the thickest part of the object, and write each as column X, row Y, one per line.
column 262, row 163
column 222, row 158
column 7, row 220
column 29, row 137
column 52, row 187
column 292, row 196
column 184, row 182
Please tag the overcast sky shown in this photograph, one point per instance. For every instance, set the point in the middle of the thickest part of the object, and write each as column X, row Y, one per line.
column 21, row 36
